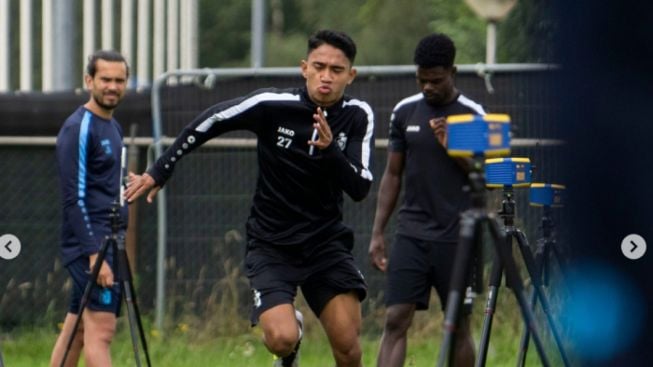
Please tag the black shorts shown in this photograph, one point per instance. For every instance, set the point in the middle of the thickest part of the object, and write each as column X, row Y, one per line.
column 100, row 299
column 322, row 271
column 415, row 266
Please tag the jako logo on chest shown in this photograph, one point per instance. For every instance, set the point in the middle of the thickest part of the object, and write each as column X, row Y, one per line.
column 286, row 131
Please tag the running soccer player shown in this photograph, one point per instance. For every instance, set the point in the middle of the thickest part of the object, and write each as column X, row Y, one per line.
column 314, row 143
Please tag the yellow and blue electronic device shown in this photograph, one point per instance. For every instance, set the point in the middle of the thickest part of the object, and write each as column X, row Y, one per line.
column 508, row 172
column 546, row 194
column 471, row 135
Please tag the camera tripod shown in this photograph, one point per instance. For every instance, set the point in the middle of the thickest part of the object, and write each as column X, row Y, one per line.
column 469, row 243
column 545, row 248
column 511, row 231
column 123, row 274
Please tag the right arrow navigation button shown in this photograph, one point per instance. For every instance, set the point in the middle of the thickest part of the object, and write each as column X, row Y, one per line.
column 633, row 246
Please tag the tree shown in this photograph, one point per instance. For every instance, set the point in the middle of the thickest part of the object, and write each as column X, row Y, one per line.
column 386, row 31
column 527, row 35
column 224, row 33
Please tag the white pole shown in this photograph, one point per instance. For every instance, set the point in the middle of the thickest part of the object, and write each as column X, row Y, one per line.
column 193, row 33
column 26, row 47
column 491, row 43
column 4, row 46
column 107, row 24
column 46, row 45
column 183, row 34
column 143, row 44
column 63, row 61
column 188, row 34
column 258, row 33
column 173, row 35
column 126, row 34
column 158, row 49
column 89, row 33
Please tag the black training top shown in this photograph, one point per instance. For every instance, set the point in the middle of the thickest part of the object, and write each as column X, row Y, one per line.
column 433, row 181
column 298, row 196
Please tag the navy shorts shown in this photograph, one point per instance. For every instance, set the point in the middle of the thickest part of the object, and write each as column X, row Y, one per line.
column 415, row 266
column 100, row 299
column 322, row 271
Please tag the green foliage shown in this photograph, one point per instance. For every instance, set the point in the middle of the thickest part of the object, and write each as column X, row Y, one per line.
column 457, row 20
column 391, row 31
column 224, row 33
column 527, row 35
column 386, row 31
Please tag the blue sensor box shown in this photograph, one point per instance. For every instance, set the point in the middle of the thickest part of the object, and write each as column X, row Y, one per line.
column 515, row 172
column 545, row 194
column 478, row 135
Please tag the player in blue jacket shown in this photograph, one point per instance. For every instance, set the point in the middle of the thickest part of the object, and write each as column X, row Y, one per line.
column 89, row 147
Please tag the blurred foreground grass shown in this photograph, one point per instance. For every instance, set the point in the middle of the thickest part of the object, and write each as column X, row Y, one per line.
column 193, row 344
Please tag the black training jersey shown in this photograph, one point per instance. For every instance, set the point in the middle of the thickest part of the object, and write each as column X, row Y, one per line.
column 298, row 196
column 88, row 156
column 433, row 181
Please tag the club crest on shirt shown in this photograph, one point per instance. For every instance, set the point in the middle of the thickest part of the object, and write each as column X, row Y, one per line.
column 341, row 140
column 106, row 145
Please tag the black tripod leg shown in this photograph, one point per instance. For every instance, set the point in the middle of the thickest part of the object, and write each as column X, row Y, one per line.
column 490, row 307
column 133, row 314
column 2, row 364
column 538, row 289
column 132, row 320
column 132, row 306
column 525, row 337
column 140, row 327
column 462, row 266
column 541, row 264
column 87, row 292
column 559, row 259
column 514, row 281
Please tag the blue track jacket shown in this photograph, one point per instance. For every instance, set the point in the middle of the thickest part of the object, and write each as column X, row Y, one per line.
column 88, row 157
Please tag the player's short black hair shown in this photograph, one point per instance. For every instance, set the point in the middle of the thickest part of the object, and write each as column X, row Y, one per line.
column 434, row 50
column 339, row 40
column 106, row 55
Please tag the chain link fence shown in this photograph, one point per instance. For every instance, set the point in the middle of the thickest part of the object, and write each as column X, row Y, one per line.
column 209, row 197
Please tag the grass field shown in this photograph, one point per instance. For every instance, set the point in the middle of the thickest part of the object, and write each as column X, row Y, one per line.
column 196, row 344
column 31, row 348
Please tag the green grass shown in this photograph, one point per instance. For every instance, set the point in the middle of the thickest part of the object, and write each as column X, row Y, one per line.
column 31, row 348
column 221, row 337
column 194, row 344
